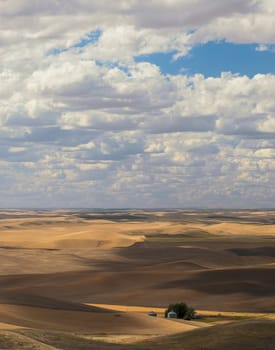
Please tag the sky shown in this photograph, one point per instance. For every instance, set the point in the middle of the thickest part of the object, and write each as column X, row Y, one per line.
column 137, row 104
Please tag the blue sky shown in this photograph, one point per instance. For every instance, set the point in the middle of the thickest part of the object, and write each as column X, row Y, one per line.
column 90, row 38
column 213, row 58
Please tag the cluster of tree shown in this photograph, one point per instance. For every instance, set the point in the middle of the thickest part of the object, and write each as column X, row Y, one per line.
column 182, row 310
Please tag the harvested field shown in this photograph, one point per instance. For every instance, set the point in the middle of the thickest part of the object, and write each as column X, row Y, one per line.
column 82, row 272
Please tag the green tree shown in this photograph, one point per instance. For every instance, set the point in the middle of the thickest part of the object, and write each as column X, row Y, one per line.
column 182, row 310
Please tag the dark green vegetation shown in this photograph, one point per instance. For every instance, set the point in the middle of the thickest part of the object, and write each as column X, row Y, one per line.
column 182, row 310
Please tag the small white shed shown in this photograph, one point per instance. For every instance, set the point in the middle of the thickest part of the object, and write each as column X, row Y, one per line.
column 172, row 314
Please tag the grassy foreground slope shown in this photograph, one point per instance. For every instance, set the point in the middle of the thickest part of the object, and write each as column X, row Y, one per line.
column 252, row 335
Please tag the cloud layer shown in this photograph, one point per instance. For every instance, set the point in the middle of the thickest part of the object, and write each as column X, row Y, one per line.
column 82, row 124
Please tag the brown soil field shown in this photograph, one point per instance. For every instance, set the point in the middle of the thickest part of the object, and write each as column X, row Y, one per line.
column 95, row 275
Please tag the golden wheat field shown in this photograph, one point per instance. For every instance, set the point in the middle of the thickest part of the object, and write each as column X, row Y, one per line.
column 87, row 280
